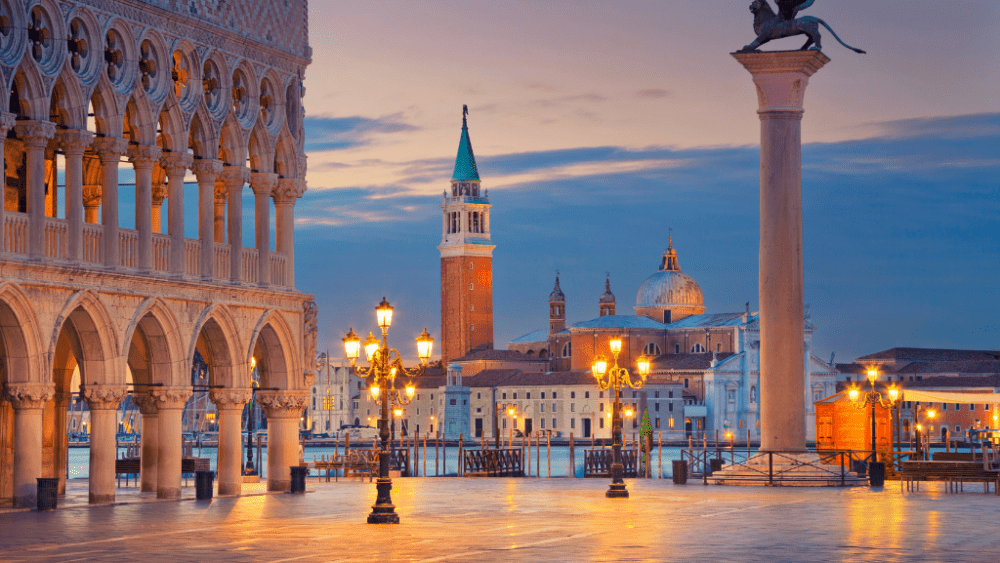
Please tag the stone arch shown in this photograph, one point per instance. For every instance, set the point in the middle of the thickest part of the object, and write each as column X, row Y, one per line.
column 85, row 66
column 121, row 59
column 272, row 344
column 260, row 151
column 20, row 338
column 202, row 137
column 140, row 120
column 232, row 144
column 96, row 343
column 285, row 156
column 29, row 97
column 173, row 134
column 153, row 340
column 108, row 111
column 154, row 66
column 68, row 102
column 216, row 337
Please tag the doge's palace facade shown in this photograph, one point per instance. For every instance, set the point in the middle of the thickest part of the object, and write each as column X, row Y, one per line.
column 199, row 89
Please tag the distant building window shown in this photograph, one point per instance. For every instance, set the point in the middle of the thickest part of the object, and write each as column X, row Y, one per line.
column 553, row 395
column 479, row 395
column 504, row 396
column 670, row 407
column 656, row 406
column 470, row 287
column 515, row 394
column 543, row 394
column 541, row 407
column 470, row 265
column 553, row 407
column 667, row 316
column 677, row 348
column 553, row 423
column 670, row 394
column 944, row 406
column 651, row 349
column 572, row 407
column 542, row 421
column 687, row 383
column 656, row 394
column 657, row 423
column 601, row 421
column 958, row 407
column 586, row 394
column 601, row 407
column 572, row 394
column 572, row 423
column 697, row 348
column 670, row 423
column 567, row 349
column 472, row 328
column 527, row 395
column 972, row 407
column 718, row 347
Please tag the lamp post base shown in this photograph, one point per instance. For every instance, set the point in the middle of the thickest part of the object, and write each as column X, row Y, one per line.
column 383, row 511
column 616, row 490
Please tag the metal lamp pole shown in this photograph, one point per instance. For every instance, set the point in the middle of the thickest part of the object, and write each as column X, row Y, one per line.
column 873, row 398
column 385, row 364
column 615, row 378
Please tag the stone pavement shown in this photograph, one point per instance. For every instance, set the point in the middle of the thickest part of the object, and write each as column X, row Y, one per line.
column 470, row 519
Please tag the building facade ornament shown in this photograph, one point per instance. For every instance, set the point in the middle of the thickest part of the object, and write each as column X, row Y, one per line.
column 206, row 167
column 109, row 149
column 262, row 183
column 103, row 397
column 144, row 156
column 145, row 402
column 92, row 195
column 7, row 122
column 288, row 190
column 231, row 399
column 171, row 397
column 35, row 133
column 25, row 396
column 176, row 160
column 283, row 404
column 74, row 141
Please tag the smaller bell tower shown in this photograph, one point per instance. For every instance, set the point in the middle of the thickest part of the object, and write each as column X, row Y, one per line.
column 607, row 302
column 557, row 309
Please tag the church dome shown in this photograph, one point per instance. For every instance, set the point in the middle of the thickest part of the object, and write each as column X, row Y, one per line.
column 669, row 290
column 607, row 296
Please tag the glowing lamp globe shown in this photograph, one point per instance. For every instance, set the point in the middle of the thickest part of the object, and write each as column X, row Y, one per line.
column 352, row 345
column 643, row 364
column 853, row 394
column 893, row 394
column 615, row 344
column 384, row 314
column 374, row 390
column 410, row 390
column 600, row 366
column 424, row 346
column 371, row 346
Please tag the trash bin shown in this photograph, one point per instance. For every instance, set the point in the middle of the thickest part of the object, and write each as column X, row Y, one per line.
column 715, row 464
column 299, row 478
column 48, row 493
column 680, row 472
column 203, row 481
column 876, row 474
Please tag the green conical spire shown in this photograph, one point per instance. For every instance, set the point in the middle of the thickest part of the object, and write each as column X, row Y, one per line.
column 465, row 162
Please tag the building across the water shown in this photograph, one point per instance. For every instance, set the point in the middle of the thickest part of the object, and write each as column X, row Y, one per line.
column 163, row 92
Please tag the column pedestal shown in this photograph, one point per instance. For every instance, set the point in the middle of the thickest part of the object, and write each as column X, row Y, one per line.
column 283, row 410
column 170, row 403
column 230, row 403
column 28, row 401
column 781, row 79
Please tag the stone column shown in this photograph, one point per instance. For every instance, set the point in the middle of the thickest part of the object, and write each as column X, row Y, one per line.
column 7, row 121
column 159, row 193
column 206, row 170
column 110, row 151
column 35, row 135
column 235, row 177
column 170, row 403
column 230, row 403
column 262, row 185
column 288, row 190
column 781, row 79
column 219, row 221
column 91, row 203
column 28, row 400
column 146, row 404
column 103, row 401
column 143, row 157
column 74, row 143
column 176, row 165
column 283, row 410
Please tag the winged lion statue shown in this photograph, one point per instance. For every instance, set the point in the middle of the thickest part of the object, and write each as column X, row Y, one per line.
column 769, row 25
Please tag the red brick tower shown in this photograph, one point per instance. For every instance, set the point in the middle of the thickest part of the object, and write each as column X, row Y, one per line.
column 466, row 259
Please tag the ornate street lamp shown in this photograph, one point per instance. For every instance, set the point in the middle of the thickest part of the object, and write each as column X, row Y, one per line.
column 862, row 399
column 615, row 378
column 250, row 469
column 931, row 413
column 385, row 365
column 511, row 411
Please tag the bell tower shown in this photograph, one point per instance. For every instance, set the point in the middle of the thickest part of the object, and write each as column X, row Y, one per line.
column 557, row 309
column 466, row 259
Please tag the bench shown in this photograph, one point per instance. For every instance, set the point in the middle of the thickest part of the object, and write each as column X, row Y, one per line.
column 955, row 473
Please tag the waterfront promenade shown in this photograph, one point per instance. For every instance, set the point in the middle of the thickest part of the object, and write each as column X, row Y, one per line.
column 469, row 519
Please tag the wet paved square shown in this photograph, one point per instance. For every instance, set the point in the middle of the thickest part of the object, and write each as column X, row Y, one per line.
column 469, row 519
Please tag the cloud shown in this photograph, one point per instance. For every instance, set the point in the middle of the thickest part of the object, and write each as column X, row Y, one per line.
column 947, row 127
column 337, row 133
column 654, row 93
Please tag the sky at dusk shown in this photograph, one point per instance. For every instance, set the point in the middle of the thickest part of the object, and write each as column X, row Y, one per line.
column 597, row 126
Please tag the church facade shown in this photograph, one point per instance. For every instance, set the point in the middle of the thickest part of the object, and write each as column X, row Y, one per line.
column 714, row 356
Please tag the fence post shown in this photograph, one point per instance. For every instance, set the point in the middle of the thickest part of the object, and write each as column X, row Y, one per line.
column 770, row 468
column 659, row 455
column 842, row 469
column 416, row 454
column 437, row 442
column 548, row 453
column 572, row 457
column 460, row 464
column 538, row 455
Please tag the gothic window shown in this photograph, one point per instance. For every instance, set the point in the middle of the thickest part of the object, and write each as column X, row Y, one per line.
column 677, row 348
column 718, row 347
column 753, row 393
column 567, row 349
column 697, row 348
column 651, row 349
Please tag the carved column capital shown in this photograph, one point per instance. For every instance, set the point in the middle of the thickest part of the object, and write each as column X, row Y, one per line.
column 262, row 183
column 7, row 122
column 283, row 404
column 221, row 192
column 144, row 156
column 91, row 195
column 35, row 133
column 171, row 161
column 74, row 141
column 231, row 399
column 159, row 192
column 109, row 149
column 171, row 397
column 103, row 397
column 288, row 190
column 234, row 176
column 27, row 396
column 145, row 402
column 206, row 169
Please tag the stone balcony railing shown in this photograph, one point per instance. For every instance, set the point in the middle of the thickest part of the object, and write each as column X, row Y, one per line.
column 16, row 242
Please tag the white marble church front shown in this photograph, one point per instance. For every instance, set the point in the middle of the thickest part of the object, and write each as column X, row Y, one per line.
column 713, row 356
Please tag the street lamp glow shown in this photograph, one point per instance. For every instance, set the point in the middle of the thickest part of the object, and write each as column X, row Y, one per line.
column 872, row 374
column 411, row 390
column 352, row 346
column 853, row 394
column 643, row 364
column 384, row 314
column 629, row 411
column 600, row 366
column 371, row 346
column 893, row 393
column 615, row 344
column 424, row 346
column 374, row 390
column 931, row 413
column 397, row 412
